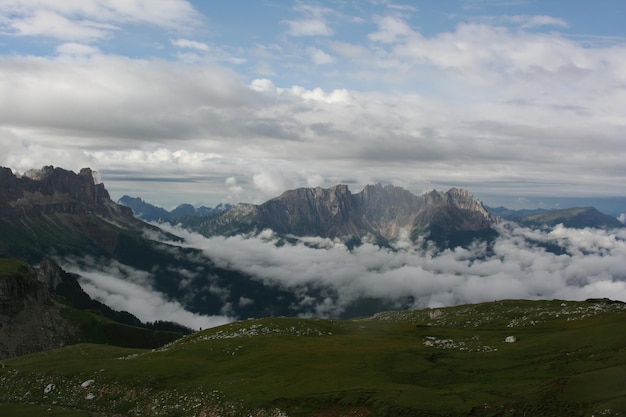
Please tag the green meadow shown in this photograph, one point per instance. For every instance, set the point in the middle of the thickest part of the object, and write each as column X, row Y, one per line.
column 568, row 359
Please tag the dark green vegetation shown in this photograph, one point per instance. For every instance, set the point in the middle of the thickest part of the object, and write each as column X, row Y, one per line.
column 12, row 266
column 569, row 359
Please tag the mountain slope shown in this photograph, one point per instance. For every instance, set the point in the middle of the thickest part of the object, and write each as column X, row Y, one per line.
column 39, row 311
column 67, row 216
column 577, row 217
column 378, row 211
column 513, row 215
column 55, row 208
column 508, row 358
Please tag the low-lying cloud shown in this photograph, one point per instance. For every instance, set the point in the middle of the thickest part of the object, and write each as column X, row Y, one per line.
column 127, row 289
column 326, row 277
column 587, row 263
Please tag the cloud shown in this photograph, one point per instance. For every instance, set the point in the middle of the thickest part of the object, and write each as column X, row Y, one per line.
column 313, row 24
column 269, row 182
column 73, row 48
column 534, row 21
column 51, row 24
column 486, row 104
column 127, row 289
column 402, row 7
column 319, row 57
column 309, row 27
column 91, row 20
column 517, row 266
column 391, row 29
column 187, row 43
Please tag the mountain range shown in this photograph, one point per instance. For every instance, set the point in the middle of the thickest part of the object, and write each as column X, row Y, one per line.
column 380, row 213
column 384, row 212
column 150, row 213
column 67, row 216
column 70, row 218
column 502, row 358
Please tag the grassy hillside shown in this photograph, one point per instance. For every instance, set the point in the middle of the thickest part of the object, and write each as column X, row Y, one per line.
column 12, row 266
column 569, row 359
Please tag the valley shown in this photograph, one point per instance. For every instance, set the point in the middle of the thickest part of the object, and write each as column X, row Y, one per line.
column 319, row 302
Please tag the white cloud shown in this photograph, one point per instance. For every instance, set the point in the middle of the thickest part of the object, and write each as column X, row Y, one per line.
column 269, row 182
column 72, row 48
column 534, row 21
column 593, row 265
column 402, row 7
column 309, row 27
column 45, row 23
column 190, row 44
column 391, row 29
column 91, row 20
column 126, row 289
column 481, row 105
column 319, row 57
column 313, row 24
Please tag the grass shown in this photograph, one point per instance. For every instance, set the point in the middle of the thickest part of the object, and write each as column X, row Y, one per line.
column 96, row 328
column 569, row 360
column 12, row 266
column 28, row 410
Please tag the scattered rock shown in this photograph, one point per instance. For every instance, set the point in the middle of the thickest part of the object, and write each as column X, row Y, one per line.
column 510, row 339
column 87, row 383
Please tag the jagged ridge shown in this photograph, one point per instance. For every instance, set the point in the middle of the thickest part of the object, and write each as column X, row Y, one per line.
column 384, row 211
column 54, row 205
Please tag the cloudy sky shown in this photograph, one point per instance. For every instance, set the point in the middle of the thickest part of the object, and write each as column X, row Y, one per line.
column 203, row 102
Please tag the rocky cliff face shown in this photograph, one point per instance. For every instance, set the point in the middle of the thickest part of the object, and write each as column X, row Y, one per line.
column 29, row 320
column 55, row 190
column 56, row 205
column 385, row 211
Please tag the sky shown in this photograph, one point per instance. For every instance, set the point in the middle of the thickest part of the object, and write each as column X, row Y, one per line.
column 204, row 102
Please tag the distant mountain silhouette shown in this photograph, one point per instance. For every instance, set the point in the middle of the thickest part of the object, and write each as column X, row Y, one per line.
column 148, row 212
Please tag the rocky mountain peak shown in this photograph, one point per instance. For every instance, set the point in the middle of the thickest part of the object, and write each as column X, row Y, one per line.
column 56, row 190
column 384, row 211
column 62, row 185
column 60, row 205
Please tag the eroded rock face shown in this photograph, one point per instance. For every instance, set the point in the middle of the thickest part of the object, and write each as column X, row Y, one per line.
column 378, row 210
column 61, row 208
column 19, row 290
column 30, row 321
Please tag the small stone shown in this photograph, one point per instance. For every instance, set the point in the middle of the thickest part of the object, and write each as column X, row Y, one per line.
column 87, row 383
column 510, row 339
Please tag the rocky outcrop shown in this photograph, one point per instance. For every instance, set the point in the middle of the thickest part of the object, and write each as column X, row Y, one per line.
column 384, row 211
column 56, row 190
column 30, row 321
column 57, row 207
